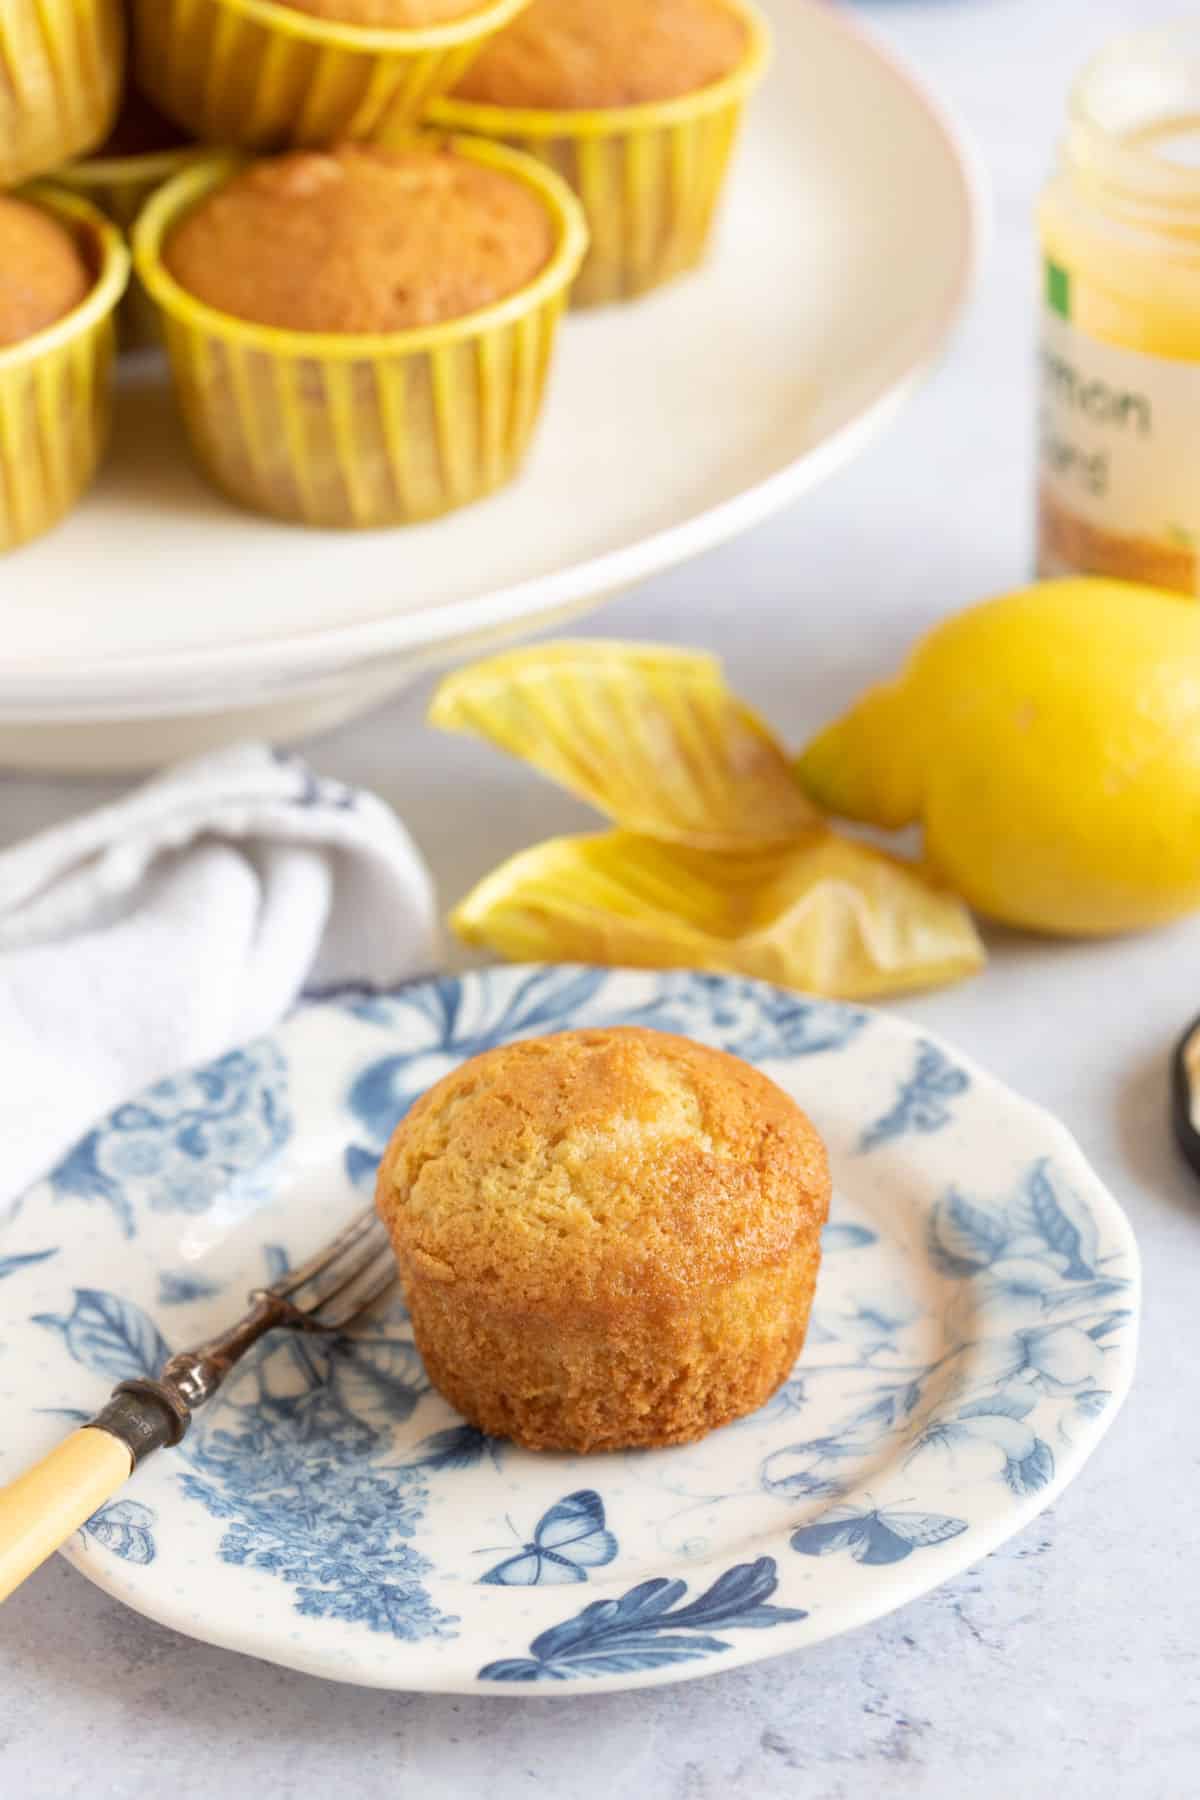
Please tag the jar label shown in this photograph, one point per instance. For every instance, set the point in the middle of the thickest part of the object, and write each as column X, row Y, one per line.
column 1119, row 487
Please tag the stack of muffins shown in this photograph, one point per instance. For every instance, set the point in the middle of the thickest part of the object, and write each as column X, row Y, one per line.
column 360, row 328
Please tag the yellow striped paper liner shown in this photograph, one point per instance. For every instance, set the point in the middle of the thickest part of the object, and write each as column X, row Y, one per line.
column 56, row 387
column 260, row 75
column 355, row 431
column 61, row 68
column 120, row 187
column 696, row 765
column 650, row 177
column 825, row 915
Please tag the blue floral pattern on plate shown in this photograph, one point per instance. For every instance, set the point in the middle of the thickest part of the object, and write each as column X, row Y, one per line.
column 648, row 1628
column 215, row 1134
column 451, row 1019
column 973, row 1334
column 298, row 1464
column 924, row 1100
column 10, row 1265
column 289, row 1462
column 178, row 1287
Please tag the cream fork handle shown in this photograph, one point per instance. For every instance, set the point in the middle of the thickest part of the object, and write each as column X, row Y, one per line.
column 40, row 1509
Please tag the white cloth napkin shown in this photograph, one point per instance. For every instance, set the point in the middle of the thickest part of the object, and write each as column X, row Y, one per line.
column 159, row 932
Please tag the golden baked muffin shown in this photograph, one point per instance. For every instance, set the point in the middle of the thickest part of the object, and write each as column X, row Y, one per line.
column 361, row 337
column 607, row 1239
column 361, row 240
column 564, row 55
column 43, row 272
column 637, row 104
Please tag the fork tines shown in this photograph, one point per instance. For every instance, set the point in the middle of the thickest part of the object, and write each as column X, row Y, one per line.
column 344, row 1277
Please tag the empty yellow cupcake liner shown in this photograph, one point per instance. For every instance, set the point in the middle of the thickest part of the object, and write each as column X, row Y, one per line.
column 56, row 387
column 650, row 177
column 261, row 75
column 696, row 767
column 362, row 431
column 120, row 186
column 61, row 68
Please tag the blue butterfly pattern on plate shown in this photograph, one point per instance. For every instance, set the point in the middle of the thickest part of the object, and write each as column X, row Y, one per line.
column 569, row 1539
column 874, row 1537
column 125, row 1527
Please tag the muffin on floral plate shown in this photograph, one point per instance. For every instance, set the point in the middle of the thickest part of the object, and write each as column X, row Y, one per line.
column 141, row 152
column 63, row 270
column 268, row 74
column 361, row 337
column 64, row 61
column 637, row 104
column 608, row 1239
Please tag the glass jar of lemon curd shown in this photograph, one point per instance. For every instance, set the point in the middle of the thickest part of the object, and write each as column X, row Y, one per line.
column 1119, row 485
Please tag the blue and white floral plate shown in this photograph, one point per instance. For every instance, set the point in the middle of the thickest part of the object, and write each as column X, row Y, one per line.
column 973, row 1336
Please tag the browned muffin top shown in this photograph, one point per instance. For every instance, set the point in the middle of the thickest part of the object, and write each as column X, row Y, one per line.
column 388, row 15
column 599, row 1168
column 564, row 55
column 43, row 273
column 361, row 239
column 140, row 130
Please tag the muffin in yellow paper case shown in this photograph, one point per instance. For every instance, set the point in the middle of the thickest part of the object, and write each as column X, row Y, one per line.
column 56, row 382
column 61, row 67
column 142, row 152
column 346, row 427
column 267, row 74
column 650, row 175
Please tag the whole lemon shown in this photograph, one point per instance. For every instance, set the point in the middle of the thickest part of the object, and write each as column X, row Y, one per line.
column 1049, row 743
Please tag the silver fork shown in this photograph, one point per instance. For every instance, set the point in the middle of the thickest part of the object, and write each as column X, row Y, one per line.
column 40, row 1509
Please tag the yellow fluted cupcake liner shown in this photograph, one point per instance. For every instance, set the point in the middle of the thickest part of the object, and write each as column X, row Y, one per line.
column 696, row 766
column 120, row 186
column 650, row 177
column 261, row 75
column 61, row 68
column 56, row 387
column 342, row 431
column 824, row 914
